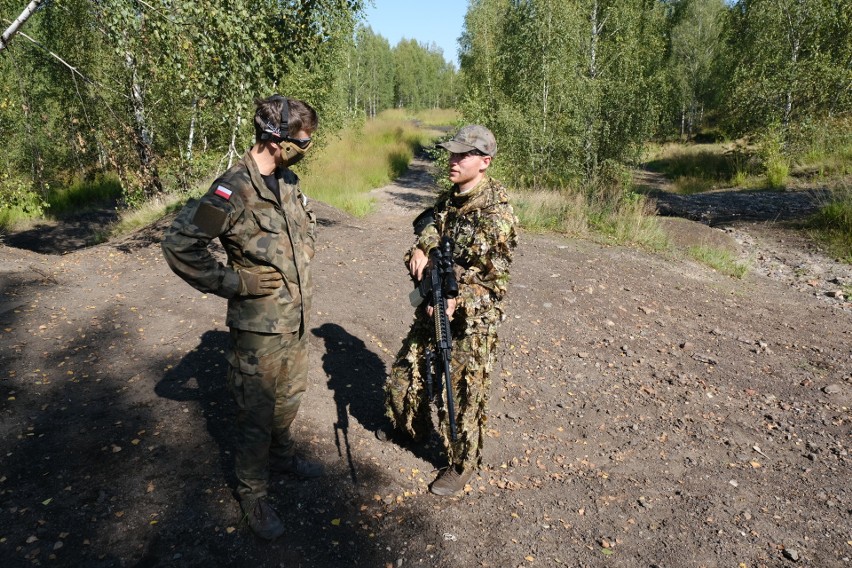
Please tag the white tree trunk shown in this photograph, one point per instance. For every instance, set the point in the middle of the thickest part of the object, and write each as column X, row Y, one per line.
column 19, row 21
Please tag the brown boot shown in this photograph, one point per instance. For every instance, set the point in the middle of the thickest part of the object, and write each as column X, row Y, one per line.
column 262, row 518
column 451, row 481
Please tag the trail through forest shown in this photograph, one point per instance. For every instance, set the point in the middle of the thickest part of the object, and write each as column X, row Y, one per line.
column 646, row 411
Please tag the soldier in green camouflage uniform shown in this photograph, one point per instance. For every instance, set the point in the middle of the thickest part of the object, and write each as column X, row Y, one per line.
column 262, row 219
column 476, row 214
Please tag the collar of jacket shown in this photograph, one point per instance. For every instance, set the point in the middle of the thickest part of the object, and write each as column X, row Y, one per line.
column 479, row 196
column 257, row 180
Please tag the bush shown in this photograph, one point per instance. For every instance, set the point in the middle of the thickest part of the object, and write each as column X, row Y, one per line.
column 775, row 163
column 832, row 224
column 20, row 201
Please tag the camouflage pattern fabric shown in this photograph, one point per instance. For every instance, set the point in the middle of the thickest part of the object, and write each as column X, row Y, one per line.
column 267, row 376
column 482, row 224
column 254, row 230
column 268, row 351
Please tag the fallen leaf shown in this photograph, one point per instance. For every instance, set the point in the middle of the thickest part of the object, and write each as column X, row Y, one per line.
column 335, row 522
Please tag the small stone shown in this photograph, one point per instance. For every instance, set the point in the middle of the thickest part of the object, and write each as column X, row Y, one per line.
column 832, row 389
column 791, row 554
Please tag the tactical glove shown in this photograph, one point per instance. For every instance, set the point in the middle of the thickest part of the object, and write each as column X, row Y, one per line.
column 259, row 281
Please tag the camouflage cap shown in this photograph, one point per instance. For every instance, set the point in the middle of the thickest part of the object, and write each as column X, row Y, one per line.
column 472, row 137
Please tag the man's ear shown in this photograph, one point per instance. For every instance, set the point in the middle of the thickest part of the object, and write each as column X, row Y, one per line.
column 486, row 160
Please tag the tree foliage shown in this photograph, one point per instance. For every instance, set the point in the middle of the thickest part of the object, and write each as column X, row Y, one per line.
column 409, row 75
column 568, row 86
column 792, row 60
column 151, row 79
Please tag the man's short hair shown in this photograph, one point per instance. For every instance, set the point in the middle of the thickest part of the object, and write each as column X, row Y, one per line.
column 268, row 119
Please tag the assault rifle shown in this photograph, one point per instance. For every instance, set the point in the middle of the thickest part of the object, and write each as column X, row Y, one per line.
column 438, row 285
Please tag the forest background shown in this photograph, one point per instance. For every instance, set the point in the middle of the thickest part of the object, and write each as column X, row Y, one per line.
column 144, row 101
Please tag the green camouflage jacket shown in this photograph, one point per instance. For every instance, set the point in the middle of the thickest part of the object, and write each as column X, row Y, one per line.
column 254, row 230
column 482, row 225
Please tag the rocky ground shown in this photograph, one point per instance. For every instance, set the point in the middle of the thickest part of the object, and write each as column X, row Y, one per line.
column 646, row 411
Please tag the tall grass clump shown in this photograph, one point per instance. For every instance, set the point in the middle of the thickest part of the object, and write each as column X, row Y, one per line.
column 365, row 156
column 551, row 210
column 696, row 168
column 605, row 209
column 775, row 163
column 84, row 193
column 832, row 224
column 822, row 148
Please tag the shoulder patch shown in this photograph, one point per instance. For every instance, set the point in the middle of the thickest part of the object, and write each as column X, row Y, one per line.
column 223, row 192
column 209, row 219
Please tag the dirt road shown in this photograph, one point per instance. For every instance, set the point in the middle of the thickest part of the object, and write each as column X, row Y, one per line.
column 646, row 411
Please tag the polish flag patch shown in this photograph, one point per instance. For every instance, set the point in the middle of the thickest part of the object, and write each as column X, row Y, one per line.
column 223, row 192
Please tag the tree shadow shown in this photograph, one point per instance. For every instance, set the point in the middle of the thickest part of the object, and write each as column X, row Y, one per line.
column 357, row 376
column 723, row 207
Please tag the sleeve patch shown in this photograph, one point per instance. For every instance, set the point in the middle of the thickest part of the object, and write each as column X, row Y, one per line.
column 209, row 219
column 223, row 192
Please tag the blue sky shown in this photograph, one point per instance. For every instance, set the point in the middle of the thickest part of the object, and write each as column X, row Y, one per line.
column 427, row 21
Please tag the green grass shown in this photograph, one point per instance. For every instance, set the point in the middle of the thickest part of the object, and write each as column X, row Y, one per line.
column 362, row 158
column 720, row 260
column 832, row 225
column 624, row 220
column 82, row 194
column 695, row 168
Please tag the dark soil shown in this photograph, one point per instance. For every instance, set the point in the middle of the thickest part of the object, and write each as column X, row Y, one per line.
column 646, row 410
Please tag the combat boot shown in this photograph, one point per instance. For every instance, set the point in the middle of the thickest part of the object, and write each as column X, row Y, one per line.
column 262, row 518
column 451, row 481
column 298, row 466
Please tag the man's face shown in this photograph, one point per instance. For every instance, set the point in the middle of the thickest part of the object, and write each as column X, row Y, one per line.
column 466, row 169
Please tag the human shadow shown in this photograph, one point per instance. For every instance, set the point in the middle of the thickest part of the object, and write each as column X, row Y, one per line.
column 200, row 377
column 356, row 376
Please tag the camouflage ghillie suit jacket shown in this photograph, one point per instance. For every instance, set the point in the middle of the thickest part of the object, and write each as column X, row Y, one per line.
column 254, row 230
column 482, row 225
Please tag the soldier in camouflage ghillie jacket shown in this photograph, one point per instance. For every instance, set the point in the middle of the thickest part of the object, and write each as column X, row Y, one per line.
column 263, row 221
column 476, row 214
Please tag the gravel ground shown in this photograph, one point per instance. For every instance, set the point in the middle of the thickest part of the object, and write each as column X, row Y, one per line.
column 646, row 411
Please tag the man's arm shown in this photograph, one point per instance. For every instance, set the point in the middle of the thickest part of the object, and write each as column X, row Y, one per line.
column 185, row 244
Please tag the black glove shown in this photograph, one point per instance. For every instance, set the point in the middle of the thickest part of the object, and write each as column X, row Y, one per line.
column 259, row 281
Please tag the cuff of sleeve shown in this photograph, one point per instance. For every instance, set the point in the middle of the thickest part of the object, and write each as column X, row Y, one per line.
column 426, row 244
column 230, row 286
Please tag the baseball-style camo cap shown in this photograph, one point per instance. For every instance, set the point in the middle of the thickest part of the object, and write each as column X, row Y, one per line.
column 472, row 137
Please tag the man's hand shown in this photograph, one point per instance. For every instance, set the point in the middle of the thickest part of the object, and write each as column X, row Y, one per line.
column 417, row 263
column 259, row 281
column 451, row 308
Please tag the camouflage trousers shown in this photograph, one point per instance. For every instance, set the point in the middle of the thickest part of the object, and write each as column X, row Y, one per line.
column 267, row 377
column 406, row 399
